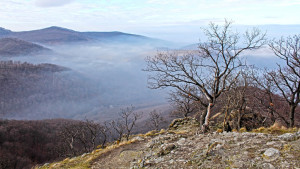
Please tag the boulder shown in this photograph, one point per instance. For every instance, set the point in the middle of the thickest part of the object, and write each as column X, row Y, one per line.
column 271, row 154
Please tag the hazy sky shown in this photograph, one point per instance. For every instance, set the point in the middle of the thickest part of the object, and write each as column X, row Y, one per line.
column 143, row 16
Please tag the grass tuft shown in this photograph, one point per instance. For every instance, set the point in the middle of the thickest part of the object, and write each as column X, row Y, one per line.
column 275, row 130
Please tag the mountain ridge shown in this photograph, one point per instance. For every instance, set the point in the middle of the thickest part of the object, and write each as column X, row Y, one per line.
column 57, row 35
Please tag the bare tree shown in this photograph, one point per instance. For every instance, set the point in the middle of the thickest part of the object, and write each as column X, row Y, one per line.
column 69, row 134
column 237, row 98
column 125, row 124
column 211, row 70
column 268, row 101
column 287, row 77
column 118, row 127
column 84, row 136
column 93, row 132
column 155, row 119
column 105, row 132
column 129, row 117
column 184, row 104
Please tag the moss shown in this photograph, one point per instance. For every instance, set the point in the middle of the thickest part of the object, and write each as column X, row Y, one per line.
column 265, row 157
column 189, row 163
column 229, row 162
column 287, row 147
column 231, row 142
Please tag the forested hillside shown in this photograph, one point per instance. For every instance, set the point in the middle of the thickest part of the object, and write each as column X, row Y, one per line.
column 11, row 47
column 27, row 143
column 38, row 91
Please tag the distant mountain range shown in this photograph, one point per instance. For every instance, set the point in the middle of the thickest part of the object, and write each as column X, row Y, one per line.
column 57, row 35
column 15, row 47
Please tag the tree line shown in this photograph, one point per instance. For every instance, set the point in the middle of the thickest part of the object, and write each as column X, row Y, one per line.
column 24, row 144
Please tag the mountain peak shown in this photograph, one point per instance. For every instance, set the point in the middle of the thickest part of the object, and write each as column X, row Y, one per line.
column 57, row 28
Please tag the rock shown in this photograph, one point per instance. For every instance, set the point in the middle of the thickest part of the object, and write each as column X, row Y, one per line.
column 83, row 155
column 271, row 154
column 285, row 164
column 46, row 164
column 181, row 123
column 166, row 149
column 158, row 160
column 239, row 164
column 181, row 141
column 170, row 147
column 289, row 136
column 271, row 143
column 267, row 166
column 261, row 135
column 138, row 138
column 150, row 144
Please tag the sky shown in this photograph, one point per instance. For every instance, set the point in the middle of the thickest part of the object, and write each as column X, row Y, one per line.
column 147, row 17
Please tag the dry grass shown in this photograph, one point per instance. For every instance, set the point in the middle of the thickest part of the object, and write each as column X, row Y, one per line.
column 242, row 130
column 84, row 162
column 275, row 130
column 219, row 130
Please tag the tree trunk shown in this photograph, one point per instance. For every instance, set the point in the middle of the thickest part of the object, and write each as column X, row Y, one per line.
column 292, row 115
column 271, row 112
column 206, row 121
column 225, row 118
column 239, row 120
column 202, row 117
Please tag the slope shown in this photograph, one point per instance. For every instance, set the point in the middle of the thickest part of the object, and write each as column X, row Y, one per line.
column 15, row 47
column 182, row 147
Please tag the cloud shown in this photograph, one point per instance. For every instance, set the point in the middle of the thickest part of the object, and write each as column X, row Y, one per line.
column 52, row 3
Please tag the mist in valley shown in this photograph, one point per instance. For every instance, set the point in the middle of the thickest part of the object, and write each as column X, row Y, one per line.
column 103, row 79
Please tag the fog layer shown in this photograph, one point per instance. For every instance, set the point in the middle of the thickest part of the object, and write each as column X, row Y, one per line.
column 111, row 75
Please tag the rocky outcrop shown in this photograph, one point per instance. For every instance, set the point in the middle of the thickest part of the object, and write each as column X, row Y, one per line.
column 182, row 147
column 185, row 123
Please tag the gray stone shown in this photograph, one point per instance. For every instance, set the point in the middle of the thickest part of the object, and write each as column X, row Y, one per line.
column 285, row 164
column 271, row 143
column 138, row 138
column 158, row 160
column 271, row 154
column 261, row 135
column 239, row 164
column 83, row 155
column 45, row 164
column 288, row 136
column 150, row 144
column 267, row 166
column 181, row 141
